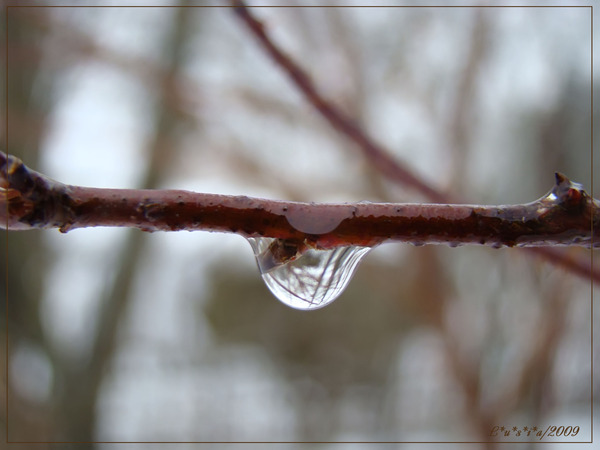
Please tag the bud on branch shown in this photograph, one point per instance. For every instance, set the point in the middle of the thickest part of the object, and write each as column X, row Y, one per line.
column 565, row 216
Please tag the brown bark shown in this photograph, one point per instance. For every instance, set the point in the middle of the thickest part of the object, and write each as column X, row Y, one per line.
column 565, row 216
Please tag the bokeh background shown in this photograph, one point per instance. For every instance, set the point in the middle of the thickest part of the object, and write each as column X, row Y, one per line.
column 119, row 335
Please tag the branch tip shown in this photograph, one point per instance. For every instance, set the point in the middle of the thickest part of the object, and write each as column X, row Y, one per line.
column 560, row 178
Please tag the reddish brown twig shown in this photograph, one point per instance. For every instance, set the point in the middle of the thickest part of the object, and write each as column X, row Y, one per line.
column 378, row 157
column 579, row 264
column 563, row 217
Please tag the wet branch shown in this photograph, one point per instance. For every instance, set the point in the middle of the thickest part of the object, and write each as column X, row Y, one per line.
column 30, row 200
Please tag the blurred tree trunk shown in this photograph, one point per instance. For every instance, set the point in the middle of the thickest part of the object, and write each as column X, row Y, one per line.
column 82, row 382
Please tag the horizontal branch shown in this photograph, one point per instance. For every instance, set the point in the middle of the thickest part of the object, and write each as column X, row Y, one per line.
column 565, row 216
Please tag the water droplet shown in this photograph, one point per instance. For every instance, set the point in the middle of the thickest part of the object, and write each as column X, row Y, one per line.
column 305, row 278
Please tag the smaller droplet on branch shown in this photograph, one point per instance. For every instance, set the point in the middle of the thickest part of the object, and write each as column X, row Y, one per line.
column 305, row 278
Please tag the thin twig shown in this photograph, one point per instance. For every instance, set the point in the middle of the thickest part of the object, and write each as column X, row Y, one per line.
column 579, row 264
column 377, row 156
column 564, row 216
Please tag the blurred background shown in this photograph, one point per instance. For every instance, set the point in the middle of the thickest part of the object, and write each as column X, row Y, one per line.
column 119, row 335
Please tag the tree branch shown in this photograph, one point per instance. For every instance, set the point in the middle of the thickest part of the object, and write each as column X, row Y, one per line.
column 565, row 216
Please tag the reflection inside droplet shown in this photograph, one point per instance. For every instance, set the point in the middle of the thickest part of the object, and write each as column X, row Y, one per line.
column 305, row 278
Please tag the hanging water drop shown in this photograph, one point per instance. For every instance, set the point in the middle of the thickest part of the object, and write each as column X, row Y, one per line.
column 305, row 278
